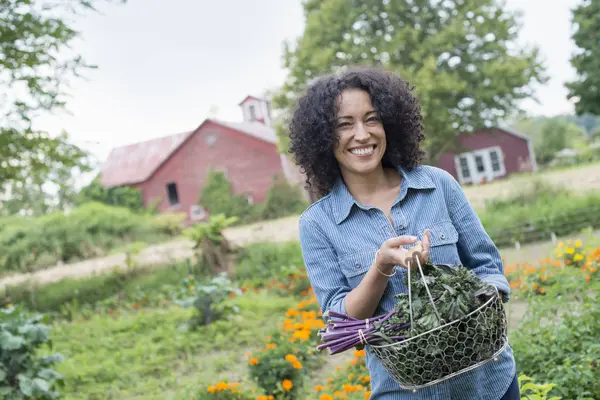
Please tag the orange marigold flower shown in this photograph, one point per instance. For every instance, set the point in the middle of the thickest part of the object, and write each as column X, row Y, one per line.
column 367, row 395
column 253, row 361
column 211, row 389
column 291, row 313
column 271, row 346
column 261, row 397
column 326, row 397
column 359, row 353
column 329, row 380
column 287, row 385
column 222, row 386
column 297, row 365
column 291, row 358
column 588, row 278
column 318, row 388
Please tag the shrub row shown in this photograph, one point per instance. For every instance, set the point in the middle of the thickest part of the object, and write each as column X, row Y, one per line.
column 90, row 230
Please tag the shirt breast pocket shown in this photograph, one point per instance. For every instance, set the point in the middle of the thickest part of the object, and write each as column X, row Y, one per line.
column 444, row 238
column 356, row 264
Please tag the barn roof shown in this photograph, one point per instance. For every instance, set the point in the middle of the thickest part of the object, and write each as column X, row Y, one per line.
column 137, row 162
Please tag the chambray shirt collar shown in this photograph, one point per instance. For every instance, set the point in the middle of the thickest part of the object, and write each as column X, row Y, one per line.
column 343, row 201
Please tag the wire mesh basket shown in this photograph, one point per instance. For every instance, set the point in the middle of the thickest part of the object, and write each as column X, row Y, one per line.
column 449, row 349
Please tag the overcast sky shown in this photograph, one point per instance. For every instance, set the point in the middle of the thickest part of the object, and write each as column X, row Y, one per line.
column 162, row 67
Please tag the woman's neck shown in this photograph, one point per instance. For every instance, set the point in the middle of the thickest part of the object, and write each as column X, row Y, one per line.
column 365, row 187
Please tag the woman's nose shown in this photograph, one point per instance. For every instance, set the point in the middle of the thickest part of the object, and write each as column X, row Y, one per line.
column 361, row 132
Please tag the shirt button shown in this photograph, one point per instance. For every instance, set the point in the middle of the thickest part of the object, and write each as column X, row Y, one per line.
column 357, row 265
column 443, row 236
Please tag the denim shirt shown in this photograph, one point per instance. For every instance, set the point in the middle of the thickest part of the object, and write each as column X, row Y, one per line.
column 339, row 238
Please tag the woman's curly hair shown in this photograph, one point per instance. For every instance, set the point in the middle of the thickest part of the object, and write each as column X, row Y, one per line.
column 312, row 128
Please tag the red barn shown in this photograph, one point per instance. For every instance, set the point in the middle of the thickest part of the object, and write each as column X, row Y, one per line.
column 489, row 154
column 171, row 170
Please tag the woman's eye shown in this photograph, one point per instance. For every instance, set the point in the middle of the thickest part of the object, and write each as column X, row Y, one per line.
column 344, row 124
column 373, row 119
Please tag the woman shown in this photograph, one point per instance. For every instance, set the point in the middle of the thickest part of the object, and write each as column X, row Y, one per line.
column 357, row 136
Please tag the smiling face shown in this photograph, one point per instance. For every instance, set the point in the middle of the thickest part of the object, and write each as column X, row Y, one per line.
column 361, row 136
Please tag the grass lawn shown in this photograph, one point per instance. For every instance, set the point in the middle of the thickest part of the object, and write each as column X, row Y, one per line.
column 147, row 355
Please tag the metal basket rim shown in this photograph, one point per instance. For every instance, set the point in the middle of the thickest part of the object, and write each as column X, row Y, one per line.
column 478, row 309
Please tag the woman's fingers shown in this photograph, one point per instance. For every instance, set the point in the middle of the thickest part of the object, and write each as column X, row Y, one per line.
column 400, row 241
column 426, row 242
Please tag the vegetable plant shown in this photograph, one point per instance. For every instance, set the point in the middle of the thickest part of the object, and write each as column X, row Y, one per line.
column 209, row 298
column 24, row 374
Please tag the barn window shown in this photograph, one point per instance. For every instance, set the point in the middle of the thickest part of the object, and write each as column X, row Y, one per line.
column 252, row 111
column 464, row 167
column 172, row 193
column 479, row 164
column 495, row 158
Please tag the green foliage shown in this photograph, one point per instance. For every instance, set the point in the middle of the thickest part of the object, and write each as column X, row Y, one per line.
column 452, row 52
column 586, row 87
column 282, row 200
column 36, row 64
column 218, row 198
column 125, row 196
column 87, row 231
column 209, row 298
column 533, row 391
column 212, row 249
column 550, row 135
column 24, row 374
column 260, row 264
column 146, row 355
column 273, row 372
column 537, row 217
column 138, row 286
column 557, row 341
column 527, row 195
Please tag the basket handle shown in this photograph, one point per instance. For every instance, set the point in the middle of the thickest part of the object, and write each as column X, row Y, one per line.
column 417, row 256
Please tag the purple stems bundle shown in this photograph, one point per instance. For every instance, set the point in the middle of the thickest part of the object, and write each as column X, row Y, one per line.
column 347, row 332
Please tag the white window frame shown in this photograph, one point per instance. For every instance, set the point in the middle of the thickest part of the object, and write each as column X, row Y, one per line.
column 476, row 176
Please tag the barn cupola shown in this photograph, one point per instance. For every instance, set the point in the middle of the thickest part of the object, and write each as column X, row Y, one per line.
column 256, row 110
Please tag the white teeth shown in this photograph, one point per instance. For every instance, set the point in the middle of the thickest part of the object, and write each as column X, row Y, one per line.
column 362, row 152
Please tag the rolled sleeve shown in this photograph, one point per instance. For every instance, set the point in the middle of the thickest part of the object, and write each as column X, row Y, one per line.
column 476, row 249
column 324, row 273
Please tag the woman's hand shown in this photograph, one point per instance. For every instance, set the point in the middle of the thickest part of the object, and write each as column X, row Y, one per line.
column 391, row 252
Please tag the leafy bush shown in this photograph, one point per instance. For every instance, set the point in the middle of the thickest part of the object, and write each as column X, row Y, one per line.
column 282, row 200
column 23, row 374
column 212, row 248
column 209, row 298
column 557, row 341
column 534, row 391
column 87, row 231
column 125, row 196
column 218, row 198
column 278, row 371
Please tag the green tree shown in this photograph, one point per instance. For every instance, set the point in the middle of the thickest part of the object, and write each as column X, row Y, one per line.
column 36, row 64
column 585, row 89
column 550, row 135
column 218, row 198
column 460, row 55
